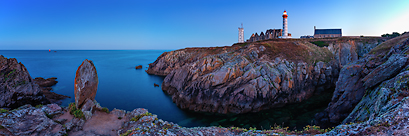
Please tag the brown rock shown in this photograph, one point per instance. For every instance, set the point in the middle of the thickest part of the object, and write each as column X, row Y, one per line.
column 16, row 85
column 155, row 85
column 138, row 67
column 86, row 83
column 45, row 82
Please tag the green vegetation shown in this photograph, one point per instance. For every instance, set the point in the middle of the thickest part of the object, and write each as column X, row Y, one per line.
column 394, row 34
column 76, row 112
column 126, row 133
column 244, row 44
column 105, row 109
column 320, row 43
column 39, row 106
column 1, row 127
column 136, row 118
column 3, row 110
column 48, row 115
column 119, row 117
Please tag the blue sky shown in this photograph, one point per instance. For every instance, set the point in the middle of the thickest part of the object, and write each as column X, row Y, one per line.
column 175, row 24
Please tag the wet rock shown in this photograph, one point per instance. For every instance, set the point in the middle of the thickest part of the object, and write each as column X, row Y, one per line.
column 45, row 82
column 16, row 85
column 45, row 85
column 86, row 83
column 155, row 85
column 138, row 67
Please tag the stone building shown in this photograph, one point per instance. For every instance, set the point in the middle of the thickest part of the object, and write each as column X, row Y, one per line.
column 269, row 34
column 323, row 33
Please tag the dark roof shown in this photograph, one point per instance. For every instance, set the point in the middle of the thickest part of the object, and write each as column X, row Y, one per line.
column 327, row 31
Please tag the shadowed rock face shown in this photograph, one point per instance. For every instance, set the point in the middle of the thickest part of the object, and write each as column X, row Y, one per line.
column 86, row 83
column 359, row 78
column 241, row 79
column 16, row 85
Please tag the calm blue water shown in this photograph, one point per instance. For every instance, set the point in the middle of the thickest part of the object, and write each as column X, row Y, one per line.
column 121, row 86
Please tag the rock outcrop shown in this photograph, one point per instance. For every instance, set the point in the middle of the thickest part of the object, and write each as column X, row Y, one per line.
column 28, row 120
column 16, row 85
column 245, row 78
column 86, row 83
column 138, row 67
column 45, row 86
column 368, row 82
column 347, row 50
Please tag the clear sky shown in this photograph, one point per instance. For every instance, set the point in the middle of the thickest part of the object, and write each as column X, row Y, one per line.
column 175, row 24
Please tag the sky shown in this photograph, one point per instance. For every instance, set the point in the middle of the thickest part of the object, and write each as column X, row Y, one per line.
column 176, row 24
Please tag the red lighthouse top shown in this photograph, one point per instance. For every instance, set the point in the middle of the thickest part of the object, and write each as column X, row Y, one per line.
column 285, row 14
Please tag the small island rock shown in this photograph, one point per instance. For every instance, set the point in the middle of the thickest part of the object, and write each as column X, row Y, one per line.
column 138, row 67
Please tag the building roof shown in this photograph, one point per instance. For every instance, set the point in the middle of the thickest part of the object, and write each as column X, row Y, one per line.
column 328, row 31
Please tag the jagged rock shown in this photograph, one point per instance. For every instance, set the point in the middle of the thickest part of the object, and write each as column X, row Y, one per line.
column 351, row 50
column 360, row 77
column 86, row 83
column 28, row 120
column 45, row 86
column 45, row 82
column 16, row 85
column 243, row 79
column 385, row 71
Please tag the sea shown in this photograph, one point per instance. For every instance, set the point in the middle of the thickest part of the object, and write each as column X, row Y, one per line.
column 122, row 86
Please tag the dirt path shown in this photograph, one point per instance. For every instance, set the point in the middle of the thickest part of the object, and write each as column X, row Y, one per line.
column 101, row 123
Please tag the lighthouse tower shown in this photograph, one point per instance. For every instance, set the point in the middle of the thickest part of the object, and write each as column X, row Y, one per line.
column 285, row 27
column 241, row 34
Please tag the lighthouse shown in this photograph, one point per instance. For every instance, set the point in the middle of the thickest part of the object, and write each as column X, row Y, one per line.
column 285, row 27
column 241, row 34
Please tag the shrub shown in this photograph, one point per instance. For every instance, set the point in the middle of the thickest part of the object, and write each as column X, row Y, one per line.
column 76, row 112
column 39, row 106
column 105, row 109
column 3, row 110
column 136, row 118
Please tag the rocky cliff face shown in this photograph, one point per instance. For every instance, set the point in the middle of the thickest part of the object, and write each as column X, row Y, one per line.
column 16, row 85
column 245, row 78
column 347, row 50
column 371, row 87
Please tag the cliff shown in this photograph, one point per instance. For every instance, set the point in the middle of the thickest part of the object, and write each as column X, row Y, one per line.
column 245, row 77
column 16, row 85
column 255, row 76
column 371, row 94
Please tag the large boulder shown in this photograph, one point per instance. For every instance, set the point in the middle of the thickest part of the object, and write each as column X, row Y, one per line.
column 86, row 83
column 16, row 85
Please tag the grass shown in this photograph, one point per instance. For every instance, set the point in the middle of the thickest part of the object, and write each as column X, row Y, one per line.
column 385, row 46
column 39, row 106
column 320, row 43
column 105, row 109
column 3, row 110
column 76, row 112
column 136, row 118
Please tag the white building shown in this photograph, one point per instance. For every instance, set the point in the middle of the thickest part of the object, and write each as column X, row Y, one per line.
column 241, row 34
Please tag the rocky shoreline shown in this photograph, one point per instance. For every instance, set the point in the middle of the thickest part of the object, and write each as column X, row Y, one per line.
column 370, row 97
